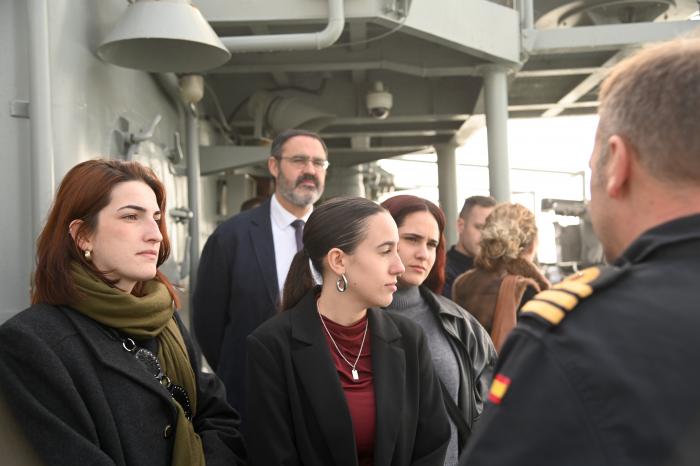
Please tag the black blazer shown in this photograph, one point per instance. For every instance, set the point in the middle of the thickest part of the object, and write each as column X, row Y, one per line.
column 82, row 400
column 297, row 412
column 236, row 291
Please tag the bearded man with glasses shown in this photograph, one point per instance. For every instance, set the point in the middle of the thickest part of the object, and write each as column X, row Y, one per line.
column 245, row 261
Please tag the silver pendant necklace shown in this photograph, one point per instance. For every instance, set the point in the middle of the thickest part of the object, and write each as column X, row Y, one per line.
column 353, row 367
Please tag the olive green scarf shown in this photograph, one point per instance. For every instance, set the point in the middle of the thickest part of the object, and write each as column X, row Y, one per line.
column 149, row 316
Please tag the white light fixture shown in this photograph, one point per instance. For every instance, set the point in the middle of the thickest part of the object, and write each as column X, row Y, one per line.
column 163, row 36
column 191, row 88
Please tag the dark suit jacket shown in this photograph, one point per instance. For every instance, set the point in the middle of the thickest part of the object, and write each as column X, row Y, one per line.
column 81, row 399
column 297, row 412
column 236, row 291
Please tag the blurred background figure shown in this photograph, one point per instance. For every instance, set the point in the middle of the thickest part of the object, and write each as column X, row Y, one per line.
column 333, row 379
column 505, row 276
column 460, row 257
column 461, row 349
column 252, row 202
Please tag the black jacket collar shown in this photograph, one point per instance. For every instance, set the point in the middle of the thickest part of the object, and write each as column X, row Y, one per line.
column 676, row 231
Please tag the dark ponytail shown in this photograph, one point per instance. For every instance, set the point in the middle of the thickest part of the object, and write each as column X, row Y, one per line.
column 299, row 280
column 338, row 223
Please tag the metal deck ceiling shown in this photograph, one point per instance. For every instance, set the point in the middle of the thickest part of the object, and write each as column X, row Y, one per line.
column 432, row 63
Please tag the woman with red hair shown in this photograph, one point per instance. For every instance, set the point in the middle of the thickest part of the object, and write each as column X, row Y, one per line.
column 462, row 352
column 100, row 369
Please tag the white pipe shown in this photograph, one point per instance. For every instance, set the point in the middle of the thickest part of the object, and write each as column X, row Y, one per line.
column 527, row 12
column 193, row 188
column 307, row 41
column 41, row 141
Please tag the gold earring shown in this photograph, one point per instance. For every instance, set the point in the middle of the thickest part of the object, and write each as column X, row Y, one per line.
column 87, row 254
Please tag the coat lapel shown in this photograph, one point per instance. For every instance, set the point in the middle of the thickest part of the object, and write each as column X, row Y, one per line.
column 320, row 381
column 110, row 353
column 389, row 367
column 264, row 247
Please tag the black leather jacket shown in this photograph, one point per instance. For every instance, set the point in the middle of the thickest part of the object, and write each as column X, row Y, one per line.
column 475, row 353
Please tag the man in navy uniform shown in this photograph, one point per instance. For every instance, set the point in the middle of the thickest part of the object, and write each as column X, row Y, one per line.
column 602, row 369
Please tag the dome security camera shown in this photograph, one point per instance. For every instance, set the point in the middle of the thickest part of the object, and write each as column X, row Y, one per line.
column 379, row 101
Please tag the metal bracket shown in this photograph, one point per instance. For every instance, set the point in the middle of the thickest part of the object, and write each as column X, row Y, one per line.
column 175, row 154
column 181, row 214
column 145, row 135
column 19, row 109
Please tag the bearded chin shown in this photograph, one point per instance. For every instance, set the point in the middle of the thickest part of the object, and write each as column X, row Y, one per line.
column 302, row 199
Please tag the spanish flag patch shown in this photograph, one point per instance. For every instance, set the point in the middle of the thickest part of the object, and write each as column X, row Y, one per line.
column 499, row 387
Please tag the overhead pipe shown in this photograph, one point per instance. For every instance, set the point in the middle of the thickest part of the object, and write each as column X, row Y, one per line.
column 40, row 121
column 306, row 41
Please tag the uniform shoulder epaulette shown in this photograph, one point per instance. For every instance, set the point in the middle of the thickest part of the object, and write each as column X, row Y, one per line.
column 552, row 305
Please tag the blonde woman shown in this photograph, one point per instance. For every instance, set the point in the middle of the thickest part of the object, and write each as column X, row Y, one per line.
column 505, row 275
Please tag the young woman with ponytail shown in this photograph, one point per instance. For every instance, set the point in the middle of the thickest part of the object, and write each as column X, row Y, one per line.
column 334, row 380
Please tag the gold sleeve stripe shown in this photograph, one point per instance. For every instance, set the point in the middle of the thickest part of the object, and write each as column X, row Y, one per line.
column 559, row 297
column 579, row 289
column 547, row 311
column 586, row 275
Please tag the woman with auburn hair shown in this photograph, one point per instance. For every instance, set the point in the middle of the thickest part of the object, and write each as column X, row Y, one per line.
column 100, row 370
column 461, row 349
column 505, row 276
column 334, row 380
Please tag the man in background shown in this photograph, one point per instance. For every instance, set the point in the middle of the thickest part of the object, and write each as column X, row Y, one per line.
column 245, row 261
column 602, row 368
column 460, row 257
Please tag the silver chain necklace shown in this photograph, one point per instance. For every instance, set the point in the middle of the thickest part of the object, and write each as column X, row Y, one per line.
column 355, row 374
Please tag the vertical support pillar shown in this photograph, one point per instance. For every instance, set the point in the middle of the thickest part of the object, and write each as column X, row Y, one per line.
column 447, row 186
column 40, row 114
column 496, row 105
column 193, row 189
column 344, row 181
column 527, row 14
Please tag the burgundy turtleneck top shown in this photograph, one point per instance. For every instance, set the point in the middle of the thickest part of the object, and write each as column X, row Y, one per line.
column 358, row 393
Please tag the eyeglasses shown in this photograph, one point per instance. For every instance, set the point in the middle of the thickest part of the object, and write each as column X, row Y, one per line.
column 300, row 161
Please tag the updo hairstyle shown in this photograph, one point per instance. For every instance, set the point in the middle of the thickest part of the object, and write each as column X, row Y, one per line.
column 510, row 232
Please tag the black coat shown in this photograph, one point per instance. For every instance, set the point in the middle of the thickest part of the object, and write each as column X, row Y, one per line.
column 297, row 413
column 236, row 291
column 83, row 400
column 602, row 368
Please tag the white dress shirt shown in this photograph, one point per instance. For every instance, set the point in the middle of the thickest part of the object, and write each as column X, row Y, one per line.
column 283, row 238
